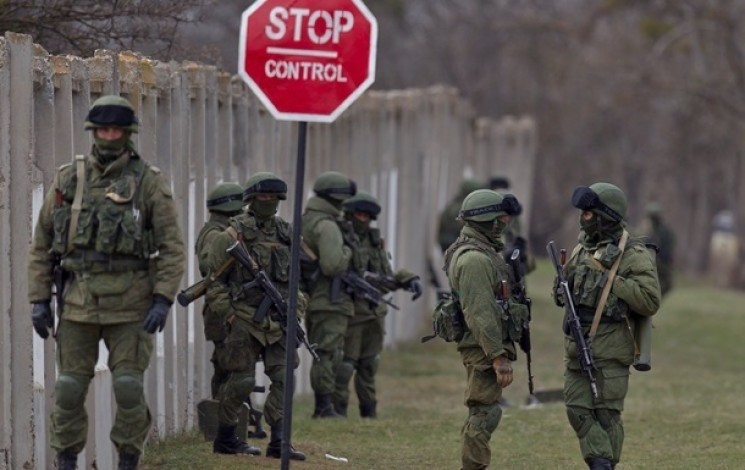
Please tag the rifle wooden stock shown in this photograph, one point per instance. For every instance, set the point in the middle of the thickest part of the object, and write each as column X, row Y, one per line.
column 198, row 289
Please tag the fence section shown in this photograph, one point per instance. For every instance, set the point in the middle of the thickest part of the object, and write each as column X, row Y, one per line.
column 201, row 126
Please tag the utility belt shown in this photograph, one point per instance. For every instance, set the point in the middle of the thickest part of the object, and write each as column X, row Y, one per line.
column 92, row 261
column 586, row 315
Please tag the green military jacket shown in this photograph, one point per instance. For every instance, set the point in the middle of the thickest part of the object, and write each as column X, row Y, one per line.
column 372, row 256
column 268, row 242
column 126, row 248
column 475, row 269
column 213, row 330
column 635, row 291
column 449, row 228
column 323, row 236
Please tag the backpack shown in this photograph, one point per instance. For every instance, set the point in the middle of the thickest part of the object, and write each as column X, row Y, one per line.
column 447, row 320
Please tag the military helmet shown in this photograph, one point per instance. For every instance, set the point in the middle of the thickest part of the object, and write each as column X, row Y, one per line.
column 653, row 208
column 111, row 111
column 485, row 205
column 498, row 183
column 468, row 186
column 226, row 197
column 604, row 199
column 362, row 202
column 335, row 185
column 264, row 182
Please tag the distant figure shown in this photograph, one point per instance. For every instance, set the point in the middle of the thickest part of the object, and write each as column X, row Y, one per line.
column 512, row 235
column 659, row 233
column 449, row 225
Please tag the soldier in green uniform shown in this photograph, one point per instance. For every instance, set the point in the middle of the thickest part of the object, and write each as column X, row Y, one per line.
column 110, row 223
column 327, row 316
column 660, row 234
column 634, row 291
column 267, row 238
column 223, row 202
column 512, row 235
column 450, row 226
column 480, row 280
column 363, row 341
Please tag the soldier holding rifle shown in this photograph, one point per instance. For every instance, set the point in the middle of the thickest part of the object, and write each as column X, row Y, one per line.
column 608, row 285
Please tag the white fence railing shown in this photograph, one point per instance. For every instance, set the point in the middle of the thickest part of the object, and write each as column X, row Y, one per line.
column 202, row 126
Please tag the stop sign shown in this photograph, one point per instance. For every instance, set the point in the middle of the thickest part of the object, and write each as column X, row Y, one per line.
column 308, row 60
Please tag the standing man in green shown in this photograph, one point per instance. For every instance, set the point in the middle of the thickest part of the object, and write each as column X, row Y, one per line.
column 450, row 226
column 109, row 227
column 223, row 202
column 328, row 315
column 252, row 334
column 480, row 281
column 363, row 341
column 660, row 234
column 613, row 281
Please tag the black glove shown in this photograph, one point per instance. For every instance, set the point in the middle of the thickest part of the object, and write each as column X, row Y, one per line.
column 415, row 286
column 41, row 317
column 156, row 316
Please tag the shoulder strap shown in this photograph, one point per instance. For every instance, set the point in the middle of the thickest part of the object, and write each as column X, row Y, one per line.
column 77, row 201
column 606, row 288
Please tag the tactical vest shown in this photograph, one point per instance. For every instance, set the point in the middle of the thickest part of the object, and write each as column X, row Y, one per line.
column 370, row 256
column 269, row 246
column 110, row 234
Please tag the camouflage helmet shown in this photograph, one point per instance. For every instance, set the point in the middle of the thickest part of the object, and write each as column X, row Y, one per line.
column 485, row 205
column 264, row 182
column 111, row 111
column 362, row 202
column 226, row 197
column 335, row 185
column 604, row 199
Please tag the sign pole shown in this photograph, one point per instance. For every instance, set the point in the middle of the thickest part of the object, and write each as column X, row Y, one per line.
column 291, row 338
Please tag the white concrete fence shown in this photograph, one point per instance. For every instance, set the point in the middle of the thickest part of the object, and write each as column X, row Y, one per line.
column 201, row 126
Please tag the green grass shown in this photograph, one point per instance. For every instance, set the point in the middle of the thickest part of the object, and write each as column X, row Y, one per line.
column 687, row 413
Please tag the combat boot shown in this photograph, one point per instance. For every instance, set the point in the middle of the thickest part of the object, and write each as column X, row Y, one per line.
column 324, row 408
column 367, row 410
column 341, row 408
column 227, row 442
column 128, row 461
column 599, row 464
column 274, row 448
column 67, row 460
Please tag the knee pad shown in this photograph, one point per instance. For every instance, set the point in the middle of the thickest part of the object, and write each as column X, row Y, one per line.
column 485, row 418
column 70, row 391
column 580, row 419
column 369, row 365
column 344, row 371
column 243, row 384
column 128, row 391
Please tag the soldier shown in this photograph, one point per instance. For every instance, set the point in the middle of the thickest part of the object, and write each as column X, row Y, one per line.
column 223, row 202
column 603, row 247
column 267, row 238
column 476, row 271
column 450, row 226
column 327, row 315
column 512, row 235
column 109, row 224
column 659, row 234
column 363, row 341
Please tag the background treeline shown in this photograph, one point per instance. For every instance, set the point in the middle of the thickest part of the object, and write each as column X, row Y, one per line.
column 649, row 95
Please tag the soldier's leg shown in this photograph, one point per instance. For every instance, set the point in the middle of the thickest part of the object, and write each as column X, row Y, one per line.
column 238, row 359
column 130, row 348
column 352, row 347
column 482, row 399
column 594, row 441
column 327, row 330
column 367, row 368
column 77, row 353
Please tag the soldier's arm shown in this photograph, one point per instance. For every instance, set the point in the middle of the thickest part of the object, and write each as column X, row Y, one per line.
column 40, row 261
column 476, row 280
column 333, row 254
column 217, row 251
column 166, row 231
column 637, row 283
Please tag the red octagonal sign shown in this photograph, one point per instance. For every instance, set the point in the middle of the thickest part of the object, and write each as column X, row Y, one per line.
column 308, row 60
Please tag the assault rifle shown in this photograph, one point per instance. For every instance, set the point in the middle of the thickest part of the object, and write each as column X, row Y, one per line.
column 272, row 297
column 359, row 288
column 521, row 295
column 586, row 362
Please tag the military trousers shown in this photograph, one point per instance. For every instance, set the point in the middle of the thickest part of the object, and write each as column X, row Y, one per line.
column 597, row 421
column 238, row 356
column 130, row 347
column 363, row 344
column 484, row 413
column 326, row 329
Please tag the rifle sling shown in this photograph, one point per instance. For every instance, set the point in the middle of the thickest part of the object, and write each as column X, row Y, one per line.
column 77, row 201
column 608, row 284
